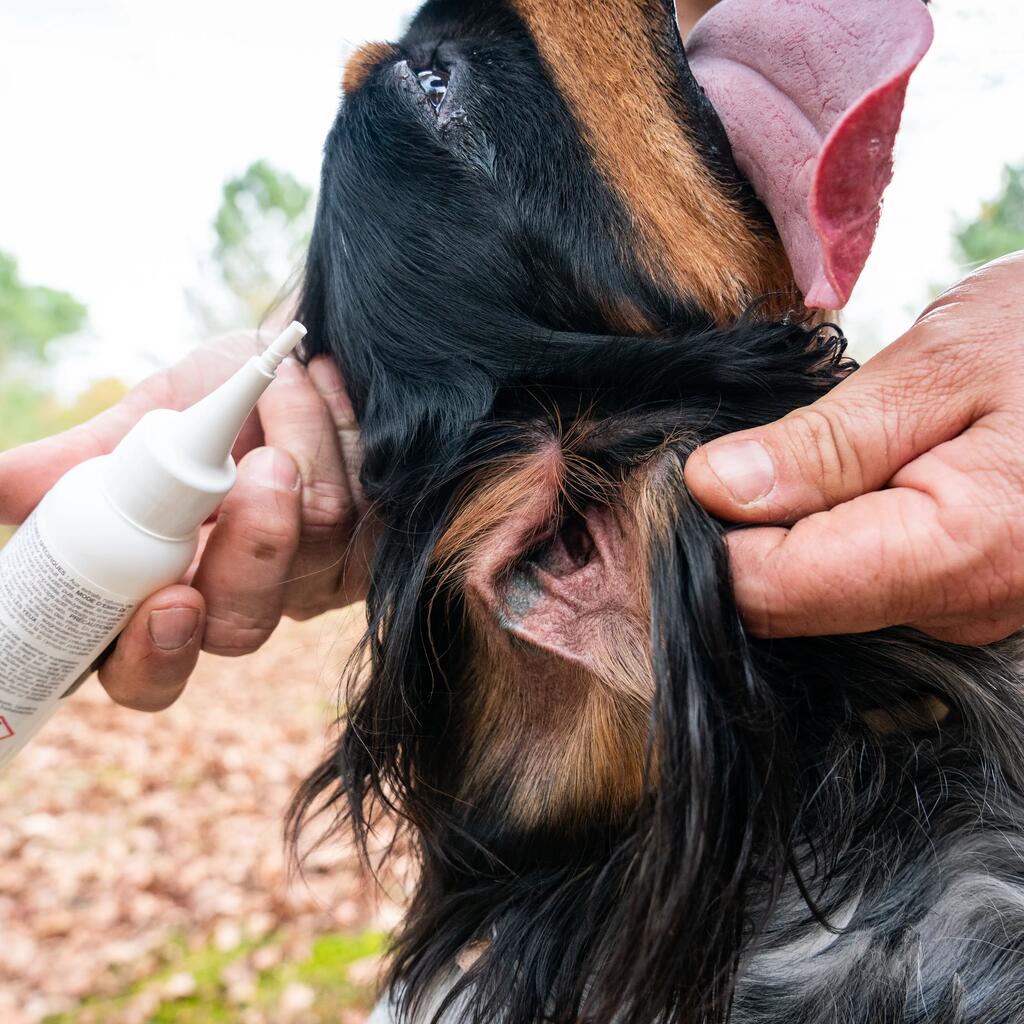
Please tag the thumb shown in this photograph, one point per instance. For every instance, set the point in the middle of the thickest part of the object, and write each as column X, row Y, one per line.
column 28, row 472
column 850, row 442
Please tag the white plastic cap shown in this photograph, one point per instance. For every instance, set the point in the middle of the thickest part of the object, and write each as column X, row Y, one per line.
column 172, row 470
column 285, row 345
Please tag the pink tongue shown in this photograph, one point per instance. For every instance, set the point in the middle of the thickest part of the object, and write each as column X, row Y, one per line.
column 811, row 93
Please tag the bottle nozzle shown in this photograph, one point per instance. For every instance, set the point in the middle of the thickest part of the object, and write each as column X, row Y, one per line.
column 174, row 467
column 276, row 353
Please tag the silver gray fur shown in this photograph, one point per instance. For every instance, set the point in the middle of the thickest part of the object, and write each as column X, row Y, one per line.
column 925, row 903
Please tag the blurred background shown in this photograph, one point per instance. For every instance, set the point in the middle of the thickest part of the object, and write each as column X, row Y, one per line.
column 157, row 185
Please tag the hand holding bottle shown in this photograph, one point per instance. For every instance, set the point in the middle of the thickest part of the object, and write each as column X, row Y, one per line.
column 281, row 538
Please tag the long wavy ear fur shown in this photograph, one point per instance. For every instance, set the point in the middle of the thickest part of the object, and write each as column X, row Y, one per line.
column 721, row 820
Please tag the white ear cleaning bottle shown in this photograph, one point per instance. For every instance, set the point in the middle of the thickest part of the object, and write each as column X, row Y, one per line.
column 111, row 532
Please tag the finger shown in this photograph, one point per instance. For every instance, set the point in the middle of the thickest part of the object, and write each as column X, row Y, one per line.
column 157, row 652
column 977, row 632
column 908, row 399
column 249, row 553
column 330, row 384
column 938, row 545
column 327, row 378
column 833, row 573
column 358, row 554
column 28, row 472
column 298, row 418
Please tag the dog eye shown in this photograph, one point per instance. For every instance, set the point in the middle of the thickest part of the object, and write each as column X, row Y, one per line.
column 435, row 84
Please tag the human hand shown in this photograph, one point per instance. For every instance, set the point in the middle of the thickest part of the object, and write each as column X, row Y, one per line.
column 905, row 484
column 290, row 538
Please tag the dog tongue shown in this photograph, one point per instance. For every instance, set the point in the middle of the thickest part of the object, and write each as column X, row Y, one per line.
column 811, row 93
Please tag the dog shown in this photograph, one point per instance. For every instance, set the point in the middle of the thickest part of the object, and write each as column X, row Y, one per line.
column 555, row 251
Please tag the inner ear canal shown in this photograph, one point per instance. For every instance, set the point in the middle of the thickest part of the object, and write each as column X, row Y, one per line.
column 570, row 549
column 572, row 592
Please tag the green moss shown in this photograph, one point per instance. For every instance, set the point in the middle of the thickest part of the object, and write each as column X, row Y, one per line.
column 325, row 971
column 332, row 952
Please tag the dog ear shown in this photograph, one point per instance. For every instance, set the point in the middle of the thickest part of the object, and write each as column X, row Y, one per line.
column 564, row 577
column 811, row 96
column 575, row 593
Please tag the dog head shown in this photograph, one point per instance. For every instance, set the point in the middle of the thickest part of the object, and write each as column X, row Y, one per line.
column 547, row 277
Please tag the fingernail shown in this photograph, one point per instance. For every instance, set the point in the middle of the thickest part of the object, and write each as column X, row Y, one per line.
column 289, row 370
column 272, row 468
column 744, row 467
column 173, row 628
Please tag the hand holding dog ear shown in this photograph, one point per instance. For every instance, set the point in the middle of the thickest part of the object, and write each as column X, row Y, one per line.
column 285, row 541
column 905, row 485
column 898, row 497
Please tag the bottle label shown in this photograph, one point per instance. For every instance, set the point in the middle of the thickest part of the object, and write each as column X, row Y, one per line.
column 53, row 626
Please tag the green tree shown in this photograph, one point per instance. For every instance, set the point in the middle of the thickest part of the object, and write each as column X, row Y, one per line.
column 33, row 320
column 31, row 316
column 261, row 232
column 29, row 412
column 999, row 228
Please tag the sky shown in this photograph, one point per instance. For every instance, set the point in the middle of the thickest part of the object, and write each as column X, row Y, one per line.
column 120, row 120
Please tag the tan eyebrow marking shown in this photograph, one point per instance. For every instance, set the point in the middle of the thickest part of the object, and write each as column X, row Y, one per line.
column 363, row 63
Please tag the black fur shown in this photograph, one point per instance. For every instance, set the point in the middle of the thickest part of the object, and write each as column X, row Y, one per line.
column 787, row 863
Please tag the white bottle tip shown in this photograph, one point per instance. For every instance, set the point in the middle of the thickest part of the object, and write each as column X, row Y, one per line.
column 283, row 347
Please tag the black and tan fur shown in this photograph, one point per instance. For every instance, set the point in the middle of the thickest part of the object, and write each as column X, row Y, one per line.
column 546, row 283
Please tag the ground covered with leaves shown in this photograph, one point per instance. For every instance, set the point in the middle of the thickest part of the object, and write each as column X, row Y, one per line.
column 143, row 878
